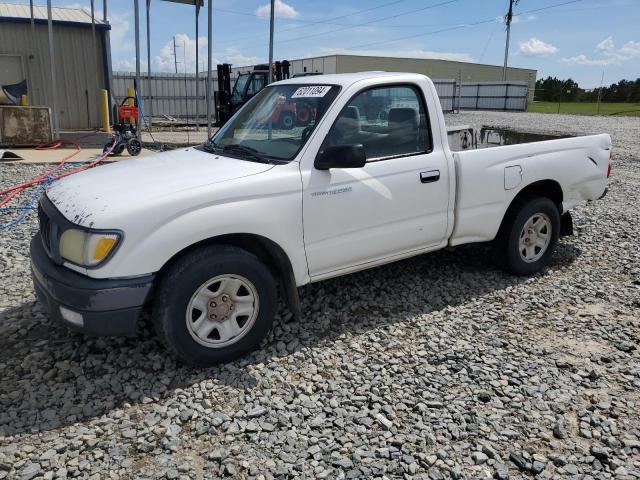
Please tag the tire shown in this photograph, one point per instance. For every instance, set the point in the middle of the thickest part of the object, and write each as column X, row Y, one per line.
column 287, row 120
column 524, row 252
column 134, row 147
column 177, row 318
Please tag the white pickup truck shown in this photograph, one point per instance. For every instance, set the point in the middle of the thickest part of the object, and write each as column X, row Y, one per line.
column 209, row 237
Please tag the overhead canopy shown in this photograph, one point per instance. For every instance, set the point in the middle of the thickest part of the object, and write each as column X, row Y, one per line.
column 65, row 16
column 188, row 2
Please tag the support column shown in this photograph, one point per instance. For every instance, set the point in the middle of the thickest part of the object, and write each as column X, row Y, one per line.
column 52, row 64
column 149, row 93
column 271, row 22
column 136, row 6
column 197, row 117
column 209, row 65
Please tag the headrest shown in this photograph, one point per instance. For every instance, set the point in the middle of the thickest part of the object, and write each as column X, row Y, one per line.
column 351, row 112
column 398, row 115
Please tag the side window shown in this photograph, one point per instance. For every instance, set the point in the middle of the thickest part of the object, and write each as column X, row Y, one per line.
column 387, row 121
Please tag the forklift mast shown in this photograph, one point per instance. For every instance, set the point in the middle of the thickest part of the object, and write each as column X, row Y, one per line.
column 228, row 100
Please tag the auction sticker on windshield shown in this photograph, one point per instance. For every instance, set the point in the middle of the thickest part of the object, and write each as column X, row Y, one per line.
column 311, row 91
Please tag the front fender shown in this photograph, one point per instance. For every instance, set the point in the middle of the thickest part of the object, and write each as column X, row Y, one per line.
column 270, row 208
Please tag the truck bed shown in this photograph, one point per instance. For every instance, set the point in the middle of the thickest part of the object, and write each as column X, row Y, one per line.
column 487, row 179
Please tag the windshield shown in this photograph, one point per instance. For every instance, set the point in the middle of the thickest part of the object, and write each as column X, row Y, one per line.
column 277, row 122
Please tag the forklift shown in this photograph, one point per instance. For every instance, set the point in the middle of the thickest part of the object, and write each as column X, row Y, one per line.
column 247, row 84
column 228, row 101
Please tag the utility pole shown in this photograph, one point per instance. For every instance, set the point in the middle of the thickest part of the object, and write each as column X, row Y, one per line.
column 507, row 20
column 175, row 56
column 600, row 92
column 271, row 21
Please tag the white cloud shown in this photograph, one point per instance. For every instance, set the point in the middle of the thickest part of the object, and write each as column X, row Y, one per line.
column 419, row 53
column 124, row 66
column 537, row 48
column 606, row 45
column 237, row 59
column 283, row 10
column 630, row 49
column 608, row 54
column 584, row 60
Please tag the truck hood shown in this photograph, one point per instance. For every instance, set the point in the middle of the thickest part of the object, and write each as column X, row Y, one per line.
column 106, row 189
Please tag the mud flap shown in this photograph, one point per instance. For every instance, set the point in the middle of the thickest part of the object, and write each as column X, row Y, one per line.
column 566, row 225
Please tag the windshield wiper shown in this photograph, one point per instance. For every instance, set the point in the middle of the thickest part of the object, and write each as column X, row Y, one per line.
column 210, row 146
column 244, row 150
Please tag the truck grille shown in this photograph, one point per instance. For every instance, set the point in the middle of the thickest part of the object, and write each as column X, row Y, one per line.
column 45, row 228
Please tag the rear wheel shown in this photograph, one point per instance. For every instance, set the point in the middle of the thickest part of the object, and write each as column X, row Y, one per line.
column 528, row 236
column 214, row 305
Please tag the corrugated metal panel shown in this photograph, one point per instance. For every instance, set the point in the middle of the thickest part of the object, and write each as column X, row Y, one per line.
column 173, row 95
column 79, row 70
column 77, row 15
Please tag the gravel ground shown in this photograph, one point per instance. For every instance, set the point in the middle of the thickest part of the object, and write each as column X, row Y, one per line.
column 436, row 367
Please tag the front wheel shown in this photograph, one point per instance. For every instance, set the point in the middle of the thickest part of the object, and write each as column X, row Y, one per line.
column 214, row 305
column 528, row 236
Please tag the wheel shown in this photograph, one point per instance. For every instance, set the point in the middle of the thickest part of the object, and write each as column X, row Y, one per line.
column 119, row 148
column 287, row 120
column 528, row 236
column 107, row 147
column 134, row 147
column 214, row 305
column 303, row 113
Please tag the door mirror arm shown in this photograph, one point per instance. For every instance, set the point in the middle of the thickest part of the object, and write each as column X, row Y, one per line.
column 341, row 156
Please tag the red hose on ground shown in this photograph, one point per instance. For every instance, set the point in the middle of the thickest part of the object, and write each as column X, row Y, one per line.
column 12, row 192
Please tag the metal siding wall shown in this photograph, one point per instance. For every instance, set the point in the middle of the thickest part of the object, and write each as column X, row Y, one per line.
column 79, row 72
column 330, row 65
column 493, row 96
column 173, row 95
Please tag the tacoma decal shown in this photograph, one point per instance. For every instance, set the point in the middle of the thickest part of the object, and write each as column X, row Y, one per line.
column 335, row 191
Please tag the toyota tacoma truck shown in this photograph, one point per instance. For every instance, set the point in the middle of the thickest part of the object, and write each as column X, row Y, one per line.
column 209, row 238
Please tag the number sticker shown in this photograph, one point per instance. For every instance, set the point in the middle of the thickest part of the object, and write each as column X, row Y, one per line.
column 311, row 91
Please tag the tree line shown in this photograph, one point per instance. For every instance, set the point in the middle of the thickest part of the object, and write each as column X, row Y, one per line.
column 552, row 89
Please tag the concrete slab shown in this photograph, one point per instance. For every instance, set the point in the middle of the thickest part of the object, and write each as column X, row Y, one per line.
column 30, row 155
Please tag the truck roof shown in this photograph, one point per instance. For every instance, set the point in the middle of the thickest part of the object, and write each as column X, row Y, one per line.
column 347, row 79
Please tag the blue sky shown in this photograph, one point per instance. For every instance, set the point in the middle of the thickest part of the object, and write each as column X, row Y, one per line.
column 580, row 39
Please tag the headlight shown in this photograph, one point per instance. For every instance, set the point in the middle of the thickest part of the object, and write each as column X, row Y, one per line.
column 87, row 248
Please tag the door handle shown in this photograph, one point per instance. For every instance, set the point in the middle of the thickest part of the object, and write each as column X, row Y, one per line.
column 430, row 176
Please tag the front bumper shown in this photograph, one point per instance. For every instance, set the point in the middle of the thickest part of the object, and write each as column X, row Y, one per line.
column 97, row 306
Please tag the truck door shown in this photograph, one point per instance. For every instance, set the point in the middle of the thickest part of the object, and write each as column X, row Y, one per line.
column 396, row 204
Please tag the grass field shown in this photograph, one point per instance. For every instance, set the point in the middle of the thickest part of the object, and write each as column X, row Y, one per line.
column 577, row 108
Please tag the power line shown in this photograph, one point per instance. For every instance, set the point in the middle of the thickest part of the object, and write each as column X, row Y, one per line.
column 312, row 22
column 464, row 25
column 295, row 39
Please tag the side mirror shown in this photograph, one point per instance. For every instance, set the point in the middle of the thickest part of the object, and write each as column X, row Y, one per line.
column 341, row 156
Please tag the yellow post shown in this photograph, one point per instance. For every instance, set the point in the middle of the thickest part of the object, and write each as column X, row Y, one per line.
column 23, row 101
column 131, row 93
column 104, row 110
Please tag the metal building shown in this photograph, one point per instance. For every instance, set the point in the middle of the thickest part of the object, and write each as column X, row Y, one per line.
column 81, row 64
column 436, row 69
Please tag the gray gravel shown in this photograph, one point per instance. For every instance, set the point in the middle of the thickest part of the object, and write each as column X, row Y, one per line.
column 436, row 367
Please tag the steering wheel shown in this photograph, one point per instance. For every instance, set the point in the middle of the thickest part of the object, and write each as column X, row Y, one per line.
column 307, row 131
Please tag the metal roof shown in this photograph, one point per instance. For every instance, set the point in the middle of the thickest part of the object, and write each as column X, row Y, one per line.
column 21, row 12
